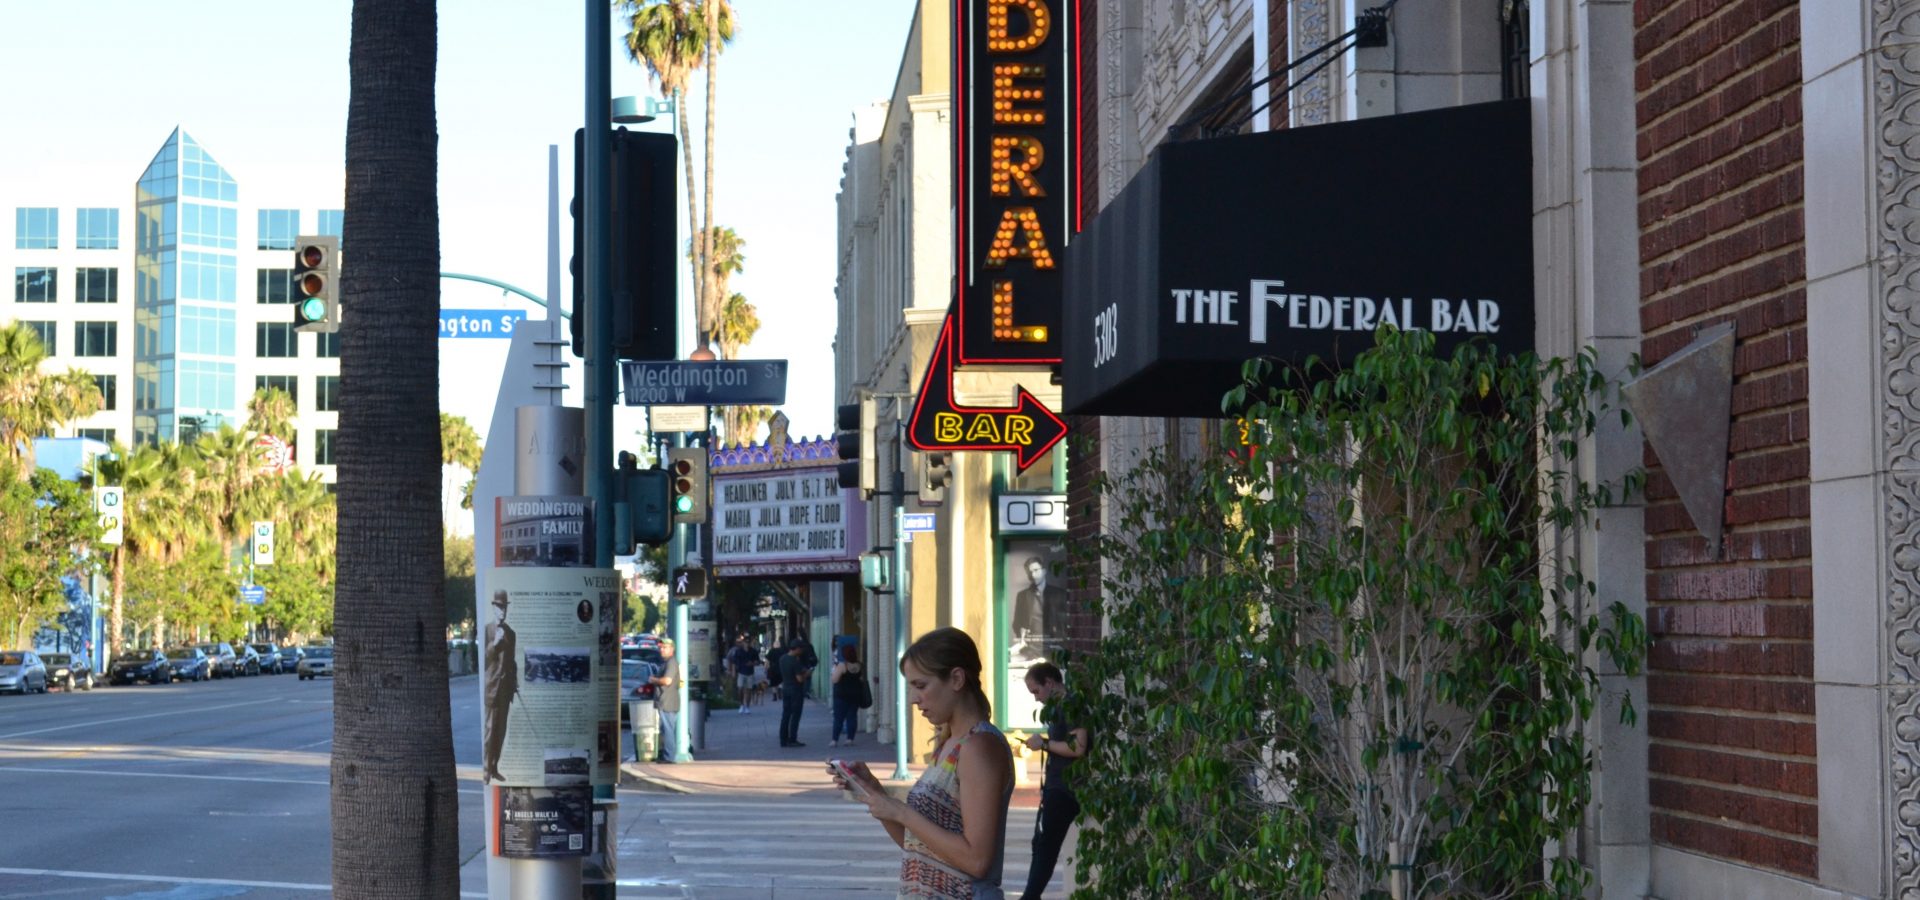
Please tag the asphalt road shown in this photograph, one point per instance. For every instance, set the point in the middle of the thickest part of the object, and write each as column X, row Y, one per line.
column 186, row 791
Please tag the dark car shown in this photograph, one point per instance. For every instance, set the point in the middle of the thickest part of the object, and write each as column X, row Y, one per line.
column 21, row 670
column 191, row 663
column 270, row 659
column 224, row 663
column 318, row 661
column 150, row 666
column 69, row 670
column 290, row 658
column 246, row 660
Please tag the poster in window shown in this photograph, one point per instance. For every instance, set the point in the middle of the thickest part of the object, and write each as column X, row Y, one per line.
column 1036, row 619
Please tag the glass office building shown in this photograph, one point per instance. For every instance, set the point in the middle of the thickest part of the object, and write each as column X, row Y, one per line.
column 185, row 297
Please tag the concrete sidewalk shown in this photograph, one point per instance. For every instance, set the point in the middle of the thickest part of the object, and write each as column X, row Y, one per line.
column 743, row 756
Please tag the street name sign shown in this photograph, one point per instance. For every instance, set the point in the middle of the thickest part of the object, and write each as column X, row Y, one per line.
column 725, row 382
column 479, row 323
column 253, row 594
column 913, row 522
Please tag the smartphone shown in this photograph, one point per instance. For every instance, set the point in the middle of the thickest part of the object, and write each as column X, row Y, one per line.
column 845, row 770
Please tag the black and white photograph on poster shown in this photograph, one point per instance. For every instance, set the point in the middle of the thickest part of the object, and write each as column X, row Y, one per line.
column 568, row 766
column 559, row 665
column 536, row 823
column 1036, row 618
column 608, row 741
column 609, row 628
column 543, row 531
column 545, row 687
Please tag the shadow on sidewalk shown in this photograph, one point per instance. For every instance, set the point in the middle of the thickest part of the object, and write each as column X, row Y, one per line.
column 743, row 755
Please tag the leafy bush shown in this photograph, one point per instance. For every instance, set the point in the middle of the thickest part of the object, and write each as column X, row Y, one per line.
column 1352, row 659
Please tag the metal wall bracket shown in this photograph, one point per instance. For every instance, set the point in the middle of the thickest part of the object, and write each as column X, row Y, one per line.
column 1685, row 407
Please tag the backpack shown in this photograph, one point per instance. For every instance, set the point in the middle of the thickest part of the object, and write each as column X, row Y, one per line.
column 863, row 697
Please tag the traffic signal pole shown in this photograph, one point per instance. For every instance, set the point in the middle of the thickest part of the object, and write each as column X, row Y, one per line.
column 600, row 364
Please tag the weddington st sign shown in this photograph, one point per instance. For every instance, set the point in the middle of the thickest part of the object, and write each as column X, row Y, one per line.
column 717, row 383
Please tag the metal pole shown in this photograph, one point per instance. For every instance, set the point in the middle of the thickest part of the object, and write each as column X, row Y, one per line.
column 681, row 726
column 900, row 588
column 676, row 624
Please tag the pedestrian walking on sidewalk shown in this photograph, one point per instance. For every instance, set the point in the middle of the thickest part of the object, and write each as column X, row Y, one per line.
column 1063, row 743
column 666, row 700
column 847, row 681
column 794, row 673
column 952, row 827
column 742, row 659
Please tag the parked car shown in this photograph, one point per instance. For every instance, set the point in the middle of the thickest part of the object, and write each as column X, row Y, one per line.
column 318, row 662
column 290, row 658
column 270, row 659
column 22, row 671
column 150, row 666
column 246, row 660
column 191, row 663
column 635, row 684
column 224, row 662
column 69, row 670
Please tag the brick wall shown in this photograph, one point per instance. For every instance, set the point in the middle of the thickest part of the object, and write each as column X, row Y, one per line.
column 1730, row 693
column 1083, row 432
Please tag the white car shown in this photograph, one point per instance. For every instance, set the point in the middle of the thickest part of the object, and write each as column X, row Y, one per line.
column 318, row 662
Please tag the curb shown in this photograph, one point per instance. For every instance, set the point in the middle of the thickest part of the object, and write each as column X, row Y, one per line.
column 632, row 772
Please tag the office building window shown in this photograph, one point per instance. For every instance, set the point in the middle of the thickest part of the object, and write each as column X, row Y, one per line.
column 274, row 339
column 47, row 334
column 273, row 285
column 208, row 276
column 208, row 226
column 326, row 393
column 287, row 384
column 332, row 221
column 204, row 384
column 323, row 446
column 34, row 284
column 103, row 435
column 327, row 345
column 205, row 330
column 278, row 228
column 96, row 285
column 97, row 229
column 96, row 338
column 36, row 228
column 109, row 386
column 201, row 177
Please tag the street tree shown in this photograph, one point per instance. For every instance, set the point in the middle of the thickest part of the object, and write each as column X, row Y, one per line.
column 460, row 446
column 45, row 523
column 270, row 412
column 34, row 402
column 395, row 813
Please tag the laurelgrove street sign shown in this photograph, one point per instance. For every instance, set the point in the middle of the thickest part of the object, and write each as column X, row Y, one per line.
column 716, row 383
column 1298, row 243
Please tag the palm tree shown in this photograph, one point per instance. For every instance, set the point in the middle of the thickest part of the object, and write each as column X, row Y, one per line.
column 460, row 446
column 724, row 260
column 670, row 37
column 32, row 402
column 271, row 412
column 228, row 462
column 719, row 15
column 739, row 321
column 393, row 782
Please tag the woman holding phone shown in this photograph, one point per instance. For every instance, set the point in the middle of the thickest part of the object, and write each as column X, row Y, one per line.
column 952, row 827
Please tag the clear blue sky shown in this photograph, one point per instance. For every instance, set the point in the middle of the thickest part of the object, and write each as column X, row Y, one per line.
column 91, row 89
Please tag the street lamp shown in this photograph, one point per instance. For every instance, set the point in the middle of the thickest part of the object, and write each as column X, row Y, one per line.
column 630, row 111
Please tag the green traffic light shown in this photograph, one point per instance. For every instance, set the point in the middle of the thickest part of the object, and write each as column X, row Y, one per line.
column 313, row 309
column 683, row 504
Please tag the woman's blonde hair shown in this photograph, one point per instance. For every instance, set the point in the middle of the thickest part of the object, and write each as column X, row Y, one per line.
column 938, row 653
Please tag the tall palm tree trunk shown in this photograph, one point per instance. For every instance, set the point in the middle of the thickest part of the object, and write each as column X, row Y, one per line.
column 395, row 812
column 697, row 259
column 709, row 314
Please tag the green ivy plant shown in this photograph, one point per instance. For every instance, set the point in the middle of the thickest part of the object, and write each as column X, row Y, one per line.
column 1352, row 658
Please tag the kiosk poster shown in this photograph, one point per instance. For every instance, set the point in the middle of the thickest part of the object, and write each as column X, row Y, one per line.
column 553, row 665
column 1036, row 620
column 536, row 823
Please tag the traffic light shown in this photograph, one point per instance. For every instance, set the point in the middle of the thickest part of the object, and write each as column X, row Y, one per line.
column 640, row 514
column 936, row 472
column 641, row 270
column 687, row 472
column 854, row 444
column 689, row 583
column 316, row 283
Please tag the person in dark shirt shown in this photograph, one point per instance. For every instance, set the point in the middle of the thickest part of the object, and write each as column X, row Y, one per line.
column 793, row 691
column 1063, row 743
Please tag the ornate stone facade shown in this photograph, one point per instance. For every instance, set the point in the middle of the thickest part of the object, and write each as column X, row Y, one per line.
column 1895, row 73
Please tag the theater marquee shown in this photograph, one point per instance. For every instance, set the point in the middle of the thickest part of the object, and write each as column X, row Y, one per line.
column 1015, row 178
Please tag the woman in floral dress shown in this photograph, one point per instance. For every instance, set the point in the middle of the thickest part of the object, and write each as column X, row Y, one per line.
column 952, row 827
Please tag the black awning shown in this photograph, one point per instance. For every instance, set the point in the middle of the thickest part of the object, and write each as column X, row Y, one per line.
column 1298, row 243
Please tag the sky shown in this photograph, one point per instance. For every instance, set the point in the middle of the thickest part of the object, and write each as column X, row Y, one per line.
column 92, row 89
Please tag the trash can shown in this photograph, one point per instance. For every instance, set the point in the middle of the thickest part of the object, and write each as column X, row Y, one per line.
column 645, row 721
column 696, row 717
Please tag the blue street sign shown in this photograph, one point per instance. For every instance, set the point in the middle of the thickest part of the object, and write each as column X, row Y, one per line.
column 253, row 594
column 479, row 323
column 913, row 522
column 734, row 382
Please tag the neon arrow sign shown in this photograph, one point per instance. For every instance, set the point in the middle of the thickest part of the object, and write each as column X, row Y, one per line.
column 1028, row 429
